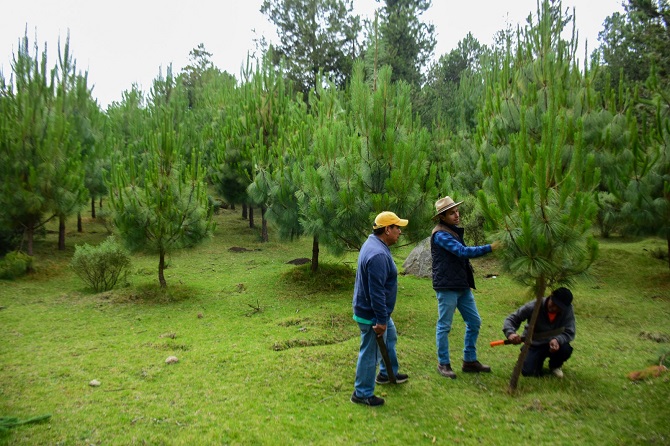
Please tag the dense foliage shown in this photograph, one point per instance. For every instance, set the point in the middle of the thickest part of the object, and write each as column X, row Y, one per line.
column 321, row 135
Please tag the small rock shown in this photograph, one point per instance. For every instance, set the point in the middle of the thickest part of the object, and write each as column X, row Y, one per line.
column 94, row 383
column 172, row 360
column 200, row 316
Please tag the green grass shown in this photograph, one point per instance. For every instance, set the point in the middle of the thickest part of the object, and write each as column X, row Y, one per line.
column 267, row 354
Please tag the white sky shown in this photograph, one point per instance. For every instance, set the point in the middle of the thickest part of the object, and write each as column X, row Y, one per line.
column 122, row 42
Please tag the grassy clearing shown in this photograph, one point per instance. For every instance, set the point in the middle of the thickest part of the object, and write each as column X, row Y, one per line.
column 267, row 354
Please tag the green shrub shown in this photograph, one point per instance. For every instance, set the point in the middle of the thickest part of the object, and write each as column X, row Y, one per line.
column 102, row 266
column 15, row 264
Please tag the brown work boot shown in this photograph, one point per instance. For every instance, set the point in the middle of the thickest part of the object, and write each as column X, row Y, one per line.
column 445, row 370
column 475, row 367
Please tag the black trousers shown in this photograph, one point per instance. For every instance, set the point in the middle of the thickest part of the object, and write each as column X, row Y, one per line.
column 532, row 366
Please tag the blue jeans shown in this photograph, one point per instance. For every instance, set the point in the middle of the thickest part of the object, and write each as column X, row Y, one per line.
column 369, row 356
column 532, row 366
column 447, row 302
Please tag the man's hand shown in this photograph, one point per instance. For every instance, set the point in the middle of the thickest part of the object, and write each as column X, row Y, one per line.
column 379, row 329
column 554, row 345
column 514, row 338
column 496, row 245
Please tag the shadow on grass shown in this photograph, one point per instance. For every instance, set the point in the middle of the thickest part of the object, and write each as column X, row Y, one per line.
column 326, row 330
column 150, row 294
column 328, row 277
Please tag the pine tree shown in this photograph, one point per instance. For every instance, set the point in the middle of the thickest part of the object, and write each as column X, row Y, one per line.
column 453, row 91
column 636, row 40
column 316, row 37
column 230, row 163
column 159, row 197
column 408, row 43
column 371, row 158
column 646, row 196
column 266, row 106
column 542, row 176
column 34, row 135
column 278, row 175
column 72, row 97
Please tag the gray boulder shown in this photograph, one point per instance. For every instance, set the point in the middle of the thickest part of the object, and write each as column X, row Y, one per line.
column 419, row 262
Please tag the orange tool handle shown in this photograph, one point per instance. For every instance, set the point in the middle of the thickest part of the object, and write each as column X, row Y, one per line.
column 500, row 342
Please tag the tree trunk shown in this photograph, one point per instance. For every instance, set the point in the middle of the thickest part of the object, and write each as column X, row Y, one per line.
column 540, row 288
column 251, row 217
column 315, row 253
column 30, row 233
column 244, row 211
column 668, row 250
column 80, row 228
column 264, row 226
column 161, row 269
column 100, row 204
column 92, row 207
column 61, row 233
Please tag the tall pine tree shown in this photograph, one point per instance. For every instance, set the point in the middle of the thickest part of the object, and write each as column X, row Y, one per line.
column 41, row 178
column 372, row 158
column 540, row 193
column 159, row 197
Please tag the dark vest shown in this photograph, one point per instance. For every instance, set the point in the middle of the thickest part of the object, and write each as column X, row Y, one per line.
column 449, row 270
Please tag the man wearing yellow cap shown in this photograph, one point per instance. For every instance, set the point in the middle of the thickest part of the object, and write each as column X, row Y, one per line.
column 453, row 282
column 374, row 299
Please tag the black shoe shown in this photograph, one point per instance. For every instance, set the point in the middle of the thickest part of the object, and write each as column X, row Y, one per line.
column 370, row 401
column 445, row 370
column 399, row 379
column 475, row 367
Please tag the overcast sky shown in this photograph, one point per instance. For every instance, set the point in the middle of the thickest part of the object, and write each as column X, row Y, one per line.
column 123, row 42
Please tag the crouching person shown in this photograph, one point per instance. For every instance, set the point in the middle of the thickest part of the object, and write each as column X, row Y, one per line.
column 554, row 330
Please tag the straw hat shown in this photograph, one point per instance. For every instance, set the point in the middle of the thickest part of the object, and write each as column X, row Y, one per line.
column 444, row 204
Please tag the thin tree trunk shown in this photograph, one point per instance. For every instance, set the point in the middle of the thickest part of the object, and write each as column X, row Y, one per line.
column 251, row 217
column 244, row 211
column 264, row 226
column 92, row 207
column 61, row 233
column 100, row 204
column 161, row 269
column 315, row 253
column 540, row 288
column 80, row 227
column 30, row 233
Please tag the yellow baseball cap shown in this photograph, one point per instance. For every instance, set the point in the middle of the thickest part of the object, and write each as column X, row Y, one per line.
column 387, row 218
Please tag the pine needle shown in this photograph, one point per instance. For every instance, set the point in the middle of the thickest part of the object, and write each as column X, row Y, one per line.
column 8, row 422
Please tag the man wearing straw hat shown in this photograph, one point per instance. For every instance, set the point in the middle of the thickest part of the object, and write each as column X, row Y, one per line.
column 453, row 281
